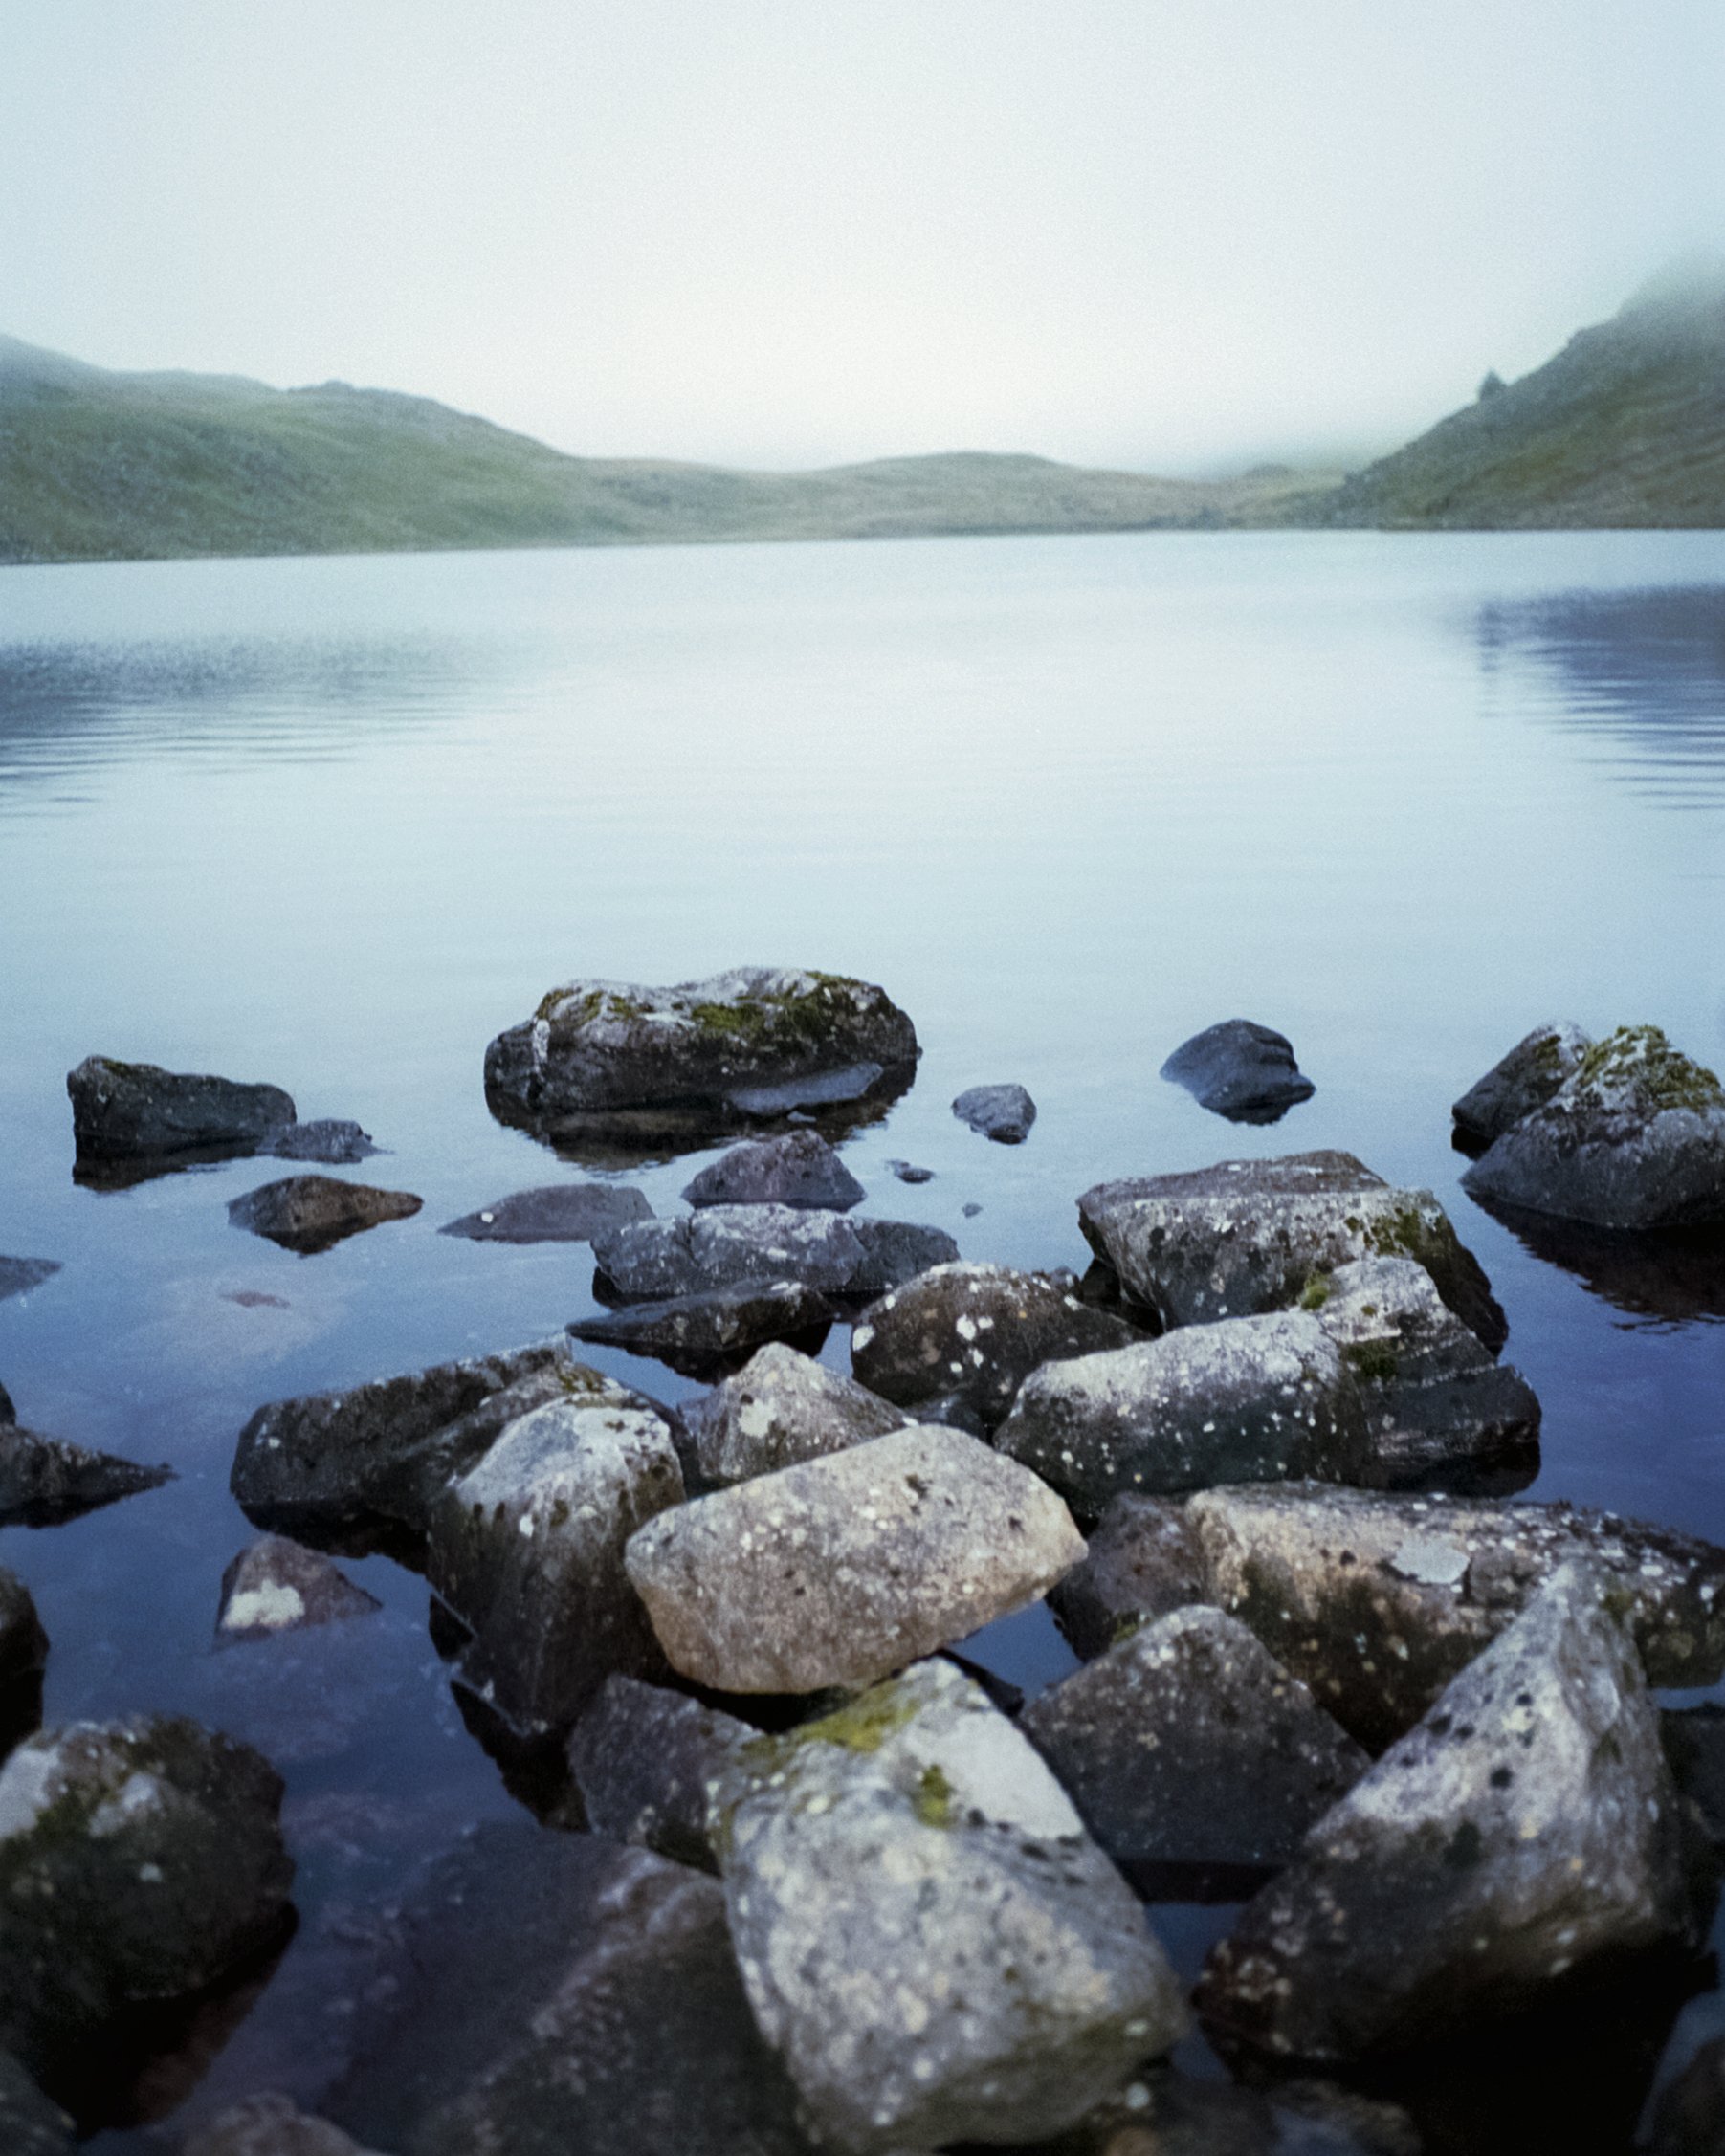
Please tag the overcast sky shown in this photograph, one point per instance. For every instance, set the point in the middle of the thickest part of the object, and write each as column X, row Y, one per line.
column 1169, row 235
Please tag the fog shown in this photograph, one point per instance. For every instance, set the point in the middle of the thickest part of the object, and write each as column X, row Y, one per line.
column 783, row 232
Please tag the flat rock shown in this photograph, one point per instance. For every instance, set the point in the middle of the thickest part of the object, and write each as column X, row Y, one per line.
column 798, row 1169
column 19, row 1275
column 642, row 1759
column 840, row 1570
column 1249, row 1236
column 929, row 1938
column 701, row 1335
column 907, row 1171
column 760, row 1246
column 1143, row 1561
column 780, row 1408
column 974, row 1333
column 555, row 1213
column 1526, row 1828
column 279, row 1586
column 45, row 1481
column 1525, row 1079
column 131, row 1110
column 313, row 1213
column 333, row 1142
column 1003, row 1114
column 30, row 2124
column 1633, row 1138
column 270, row 2125
column 1240, row 1069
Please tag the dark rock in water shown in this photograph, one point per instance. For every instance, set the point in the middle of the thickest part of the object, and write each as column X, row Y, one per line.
column 30, row 2124
column 724, row 1247
column 554, row 1993
column 799, row 1169
column 1248, row 1236
column 19, row 1275
column 1143, row 1561
column 270, row 2125
column 1633, row 1138
column 1688, row 2118
column 1527, row 1827
column 276, row 1586
column 9, row 1415
column 1535, row 1068
column 642, row 1758
column 779, row 1409
column 45, row 1481
column 23, row 1658
column 970, row 1209
column 974, row 1333
column 133, row 1110
column 907, row 1171
column 140, row 1862
column 1003, row 1114
column 1239, row 1070
column 556, row 1213
column 332, row 1142
column 313, row 1213
column 703, row 1335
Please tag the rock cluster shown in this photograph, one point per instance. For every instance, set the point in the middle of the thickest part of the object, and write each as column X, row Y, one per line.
column 135, row 1119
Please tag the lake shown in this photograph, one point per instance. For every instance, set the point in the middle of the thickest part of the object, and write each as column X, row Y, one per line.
column 336, row 823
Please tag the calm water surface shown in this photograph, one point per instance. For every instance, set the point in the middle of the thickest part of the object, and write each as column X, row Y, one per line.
column 334, row 823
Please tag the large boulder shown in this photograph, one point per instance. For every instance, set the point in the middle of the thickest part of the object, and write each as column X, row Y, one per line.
column 799, row 1168
column 840, row 1570
column 929, row 1938
column 1240, row 1069
column 1527, row 1827
column 761, row 1244
column 554, row 1213
column 1633, row 1138
column 274, row 1586
column 1248, row 1236
column 705, row 1334
column 19, row 1275
column 1003, row 1114
column 311, row 1213
column 45, row 1481
column 1525, row 1079
column 137, row 1111
column 641, row 1759
column 779, row 1409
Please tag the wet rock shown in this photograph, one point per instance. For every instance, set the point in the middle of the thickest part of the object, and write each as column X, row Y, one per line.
column 702, row 1336
column 1633, row 1138
column 799, row 1169
column 332, row 1142
column 975, row 1332
column 642, row 1758
column 276, row 1586
column 131, row 1110
column 140, row 1861
column 930, row 1939
column 554, row 1993
column 1187, row 1744
column 30, row 2124
column 1143, row 1560
column 313, row 1213
column 1162, row 2112
column 1247, row 1399
column 19, row 1275
column 1003, row 1114
column 779, row 1409
column 907, row 1171
column 844, row 1568
column 1240, row 1069
column 45, row 1481
column 895, row 1252
column 23, row 1644
column 555, row 1213
column 1248, row 1236
column 1522, row 1081
column 723, row 1246
column 1527, row 1827
column 1378, row 1602
column 526, row 1548
column 270, row 2125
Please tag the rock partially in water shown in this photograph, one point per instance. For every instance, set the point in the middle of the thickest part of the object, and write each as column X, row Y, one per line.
column 19, row 1275
column 30, row 2124
column 276, row 1586
column 844, row 1568
column 1240, row 1069
column 23, row 1649
column 762, row 1244
column 798, row 1169
column 973, row 1334
column 1003, row 1114
column 313, row 1213
column 270, row 2125
column 706, row 1334
column 1143, row 1561
column 1633, row 1138
column 1525, row 1079
column 642, row 1759
column 1163, row 2112
column 929, row 1939
column 137, row 1111
column 779, row 1409
column 554, row 1213
column 907, row 1171
column 330, row 1141
column 1528, row 1827
column 45, row 1481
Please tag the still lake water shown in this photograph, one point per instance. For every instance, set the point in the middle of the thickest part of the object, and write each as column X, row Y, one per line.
column 335, row 822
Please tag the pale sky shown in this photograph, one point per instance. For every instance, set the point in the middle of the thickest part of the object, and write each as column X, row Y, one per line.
column 1166, row 234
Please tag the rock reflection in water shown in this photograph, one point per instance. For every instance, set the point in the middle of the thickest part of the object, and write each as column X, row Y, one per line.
column 1674, row 1276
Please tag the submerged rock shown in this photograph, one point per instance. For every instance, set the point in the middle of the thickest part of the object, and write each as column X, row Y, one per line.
column 642, row 1759
column 761, row 1244
column 19, row 1275
column 313, row 1213
column 843, row 1569
column 45, row 1481
column 276, row 1586
column 702, row 1336
column 1143, row 1560
column 780, row 1408
column 798, row 1169
column 1240, row 1069
column 929, row 1938
column 332, row 1142
column 1525, row 1079
column 1003, row 1114
column 555, row 1213
column 132, row 1111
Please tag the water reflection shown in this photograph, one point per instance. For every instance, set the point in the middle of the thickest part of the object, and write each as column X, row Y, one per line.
column 1676, row 1276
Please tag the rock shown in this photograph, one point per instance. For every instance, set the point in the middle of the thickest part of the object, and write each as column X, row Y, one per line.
column 724, row 1247
column 1378, row 1602
column 907, row 1171
column 311, row 1213
column 270, row 2125
column 1633, row 1138
column 642, row 1758
column 799, row 1169
column 1248, row 1236
column 556, row 1213
column 276, row 1586
column 333, row 1143
column 1163, row 2112
column 930, row 1939
column 45, row 1481
column 1003, row 1114
column 1695, row 1744
column 9, row 1415
column 1143, row 1561
column 23, row 1658
column 1187, row 1744
column 701, row 1335
column 554, row 1993
column 895, row 1252
column 975, row 1332
column 132, row 1111
column 19, row 1275
column 527, row 1547
column 1525, row 1079
column 1527, row 1827
column 1247, row 1399
column 843, row 1569
column 1239, row 1070
column 139, row 1862
column 30, row 2124
column 779, row 1409
column 1688, row 2117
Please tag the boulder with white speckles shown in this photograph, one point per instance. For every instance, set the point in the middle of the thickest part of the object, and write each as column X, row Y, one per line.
column 759, row 1245
column 779, row 1409
column 1525, row 1079
column 706, row 1334
column 277, row 1586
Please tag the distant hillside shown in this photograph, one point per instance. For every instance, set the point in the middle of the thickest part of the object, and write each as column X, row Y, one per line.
column 97, row 465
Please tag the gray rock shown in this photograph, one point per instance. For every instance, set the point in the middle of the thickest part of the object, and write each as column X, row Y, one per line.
column 1527, row 1827
column 779, row 1409
column 759, row 1245
column 895, row 1252
column 313, row 1213
column 19, row 1275
column 130, row 1111
column 1240, row 1069
column 1143, row 1561
column 843, row 1569
column 642, row 1759
column 1187, row 1744
column 907, row 1171
column 975, row 1332
column 798, row 1169
column 556, row 1213
column 1003, row 1114
column 30, row 2124
column 276, row 1586
column 701, row 1335
column 270, row 2125
column 332, row 1142
column 527, row 1547
column 1248, row 1399
column 139, row 1862
column 930, row 1939
column 1523, row 1079
column 1633, row 1138
column 1248, row 1236
column 45, row 1481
